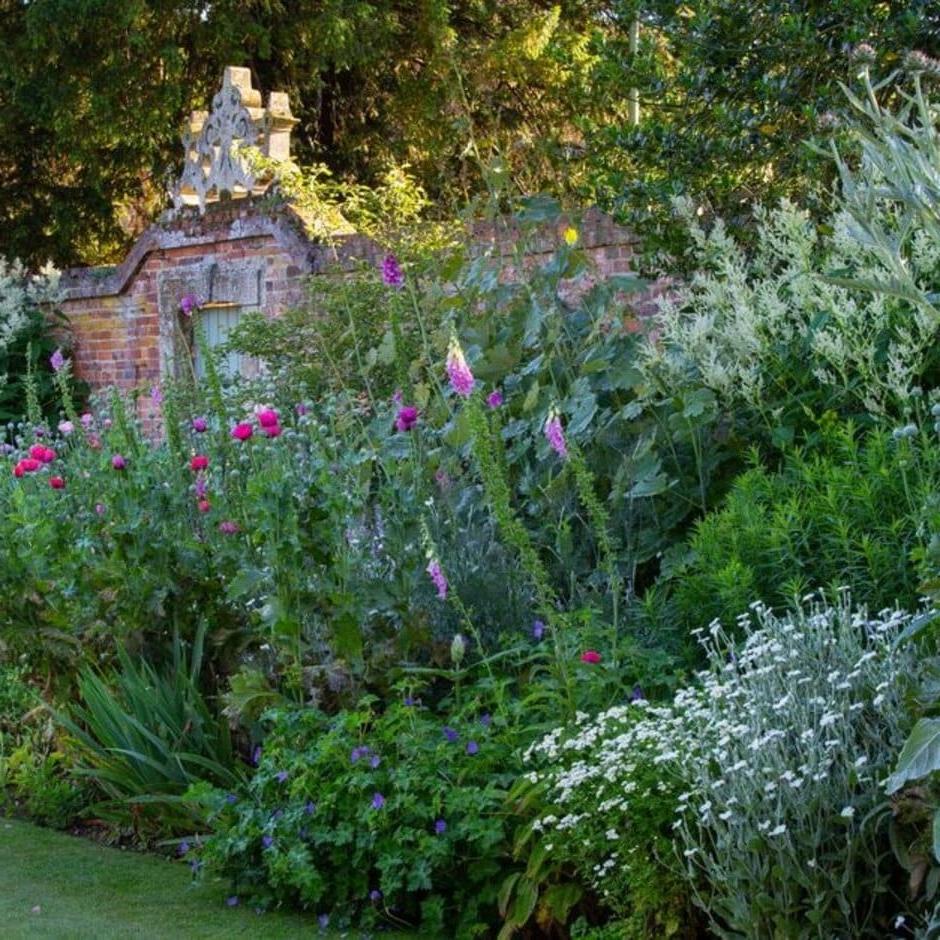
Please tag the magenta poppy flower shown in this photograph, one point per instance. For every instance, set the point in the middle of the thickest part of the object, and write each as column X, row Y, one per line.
column 407, row 418
column 199, row 462
column 118, row 462
column 495, row 398
column 272, row 430
column 268, row 418
column 200, row 425
column 591, row 656
column 242, row 431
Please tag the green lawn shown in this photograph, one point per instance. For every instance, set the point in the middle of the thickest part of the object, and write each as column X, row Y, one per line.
column 55, row 885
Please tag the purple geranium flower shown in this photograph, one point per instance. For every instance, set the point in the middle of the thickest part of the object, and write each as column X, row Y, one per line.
column 310, row 808
column 324, row 921
column 232, row 901
column 256, row 755
column 231, row 798
column 450, row 734
column 57, row 361
column 267, row 841
column 486, row 720
column 189, row 303
column 183, row 847
column 538, row 629
column 440, row 827
column 637, row 694
column 472, row 747
column 494, row 399
column 281, row 776
column 375, row 761
column 375, row 895
column 378, row 801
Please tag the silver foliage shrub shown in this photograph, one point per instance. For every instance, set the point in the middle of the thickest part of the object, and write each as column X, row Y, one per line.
column 854, row 304
column 774, row 759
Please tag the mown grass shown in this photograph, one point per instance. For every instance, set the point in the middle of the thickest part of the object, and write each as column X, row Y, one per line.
column 56, row 885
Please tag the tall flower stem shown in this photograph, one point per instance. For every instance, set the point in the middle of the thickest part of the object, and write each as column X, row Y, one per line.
column 599, row 519
column 498, row 496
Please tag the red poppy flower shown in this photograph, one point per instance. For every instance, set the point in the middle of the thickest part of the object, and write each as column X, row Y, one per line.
column 203, row 505
column 57, row 483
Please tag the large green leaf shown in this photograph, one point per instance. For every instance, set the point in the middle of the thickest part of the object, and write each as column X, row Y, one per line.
column 920, row 755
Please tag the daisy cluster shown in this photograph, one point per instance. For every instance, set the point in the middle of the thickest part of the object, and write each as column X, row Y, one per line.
column 772, row 760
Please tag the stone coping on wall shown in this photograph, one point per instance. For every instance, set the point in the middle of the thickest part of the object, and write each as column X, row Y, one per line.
column 254, row 218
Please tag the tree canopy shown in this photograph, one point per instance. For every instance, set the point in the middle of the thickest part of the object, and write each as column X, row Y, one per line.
column 523, row 95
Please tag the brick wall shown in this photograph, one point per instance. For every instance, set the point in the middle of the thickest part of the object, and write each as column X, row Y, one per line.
column 125, row 319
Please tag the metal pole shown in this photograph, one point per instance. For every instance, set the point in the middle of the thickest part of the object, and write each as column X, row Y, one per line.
column 634, row 94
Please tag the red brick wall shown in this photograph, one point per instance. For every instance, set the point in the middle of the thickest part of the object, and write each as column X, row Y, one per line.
column 123, row 318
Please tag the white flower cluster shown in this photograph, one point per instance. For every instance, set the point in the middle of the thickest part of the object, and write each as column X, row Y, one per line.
column 20, row 292
column 727, row 327
column 778, row 749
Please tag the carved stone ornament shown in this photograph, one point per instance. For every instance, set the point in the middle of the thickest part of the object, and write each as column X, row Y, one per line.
column 212, row 168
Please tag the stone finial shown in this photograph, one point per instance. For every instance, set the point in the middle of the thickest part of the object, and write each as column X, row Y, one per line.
column 212, row 167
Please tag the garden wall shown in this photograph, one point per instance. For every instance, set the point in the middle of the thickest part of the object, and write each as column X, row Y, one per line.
column 244, row 255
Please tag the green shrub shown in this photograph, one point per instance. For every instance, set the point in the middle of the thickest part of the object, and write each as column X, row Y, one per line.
column 847, row 512
column 369, row 817
column 17, row 697
column 37, row 780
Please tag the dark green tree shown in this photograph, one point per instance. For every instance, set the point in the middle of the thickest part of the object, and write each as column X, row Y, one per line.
column 728, row 94
column 93, row 94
